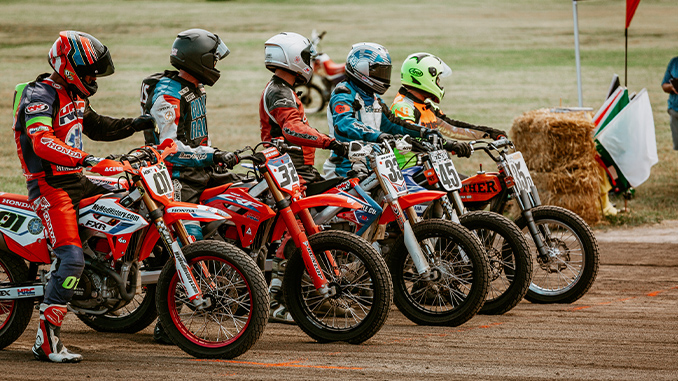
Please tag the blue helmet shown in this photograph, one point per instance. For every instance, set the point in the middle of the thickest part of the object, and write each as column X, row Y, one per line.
column 369, row 64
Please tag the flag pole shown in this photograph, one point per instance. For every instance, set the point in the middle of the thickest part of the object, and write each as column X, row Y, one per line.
column 576, row 51
column 626, row 53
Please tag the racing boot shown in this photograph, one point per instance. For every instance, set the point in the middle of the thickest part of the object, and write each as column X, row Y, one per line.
column 48, row 345
column 278, row 312
column 160, row 336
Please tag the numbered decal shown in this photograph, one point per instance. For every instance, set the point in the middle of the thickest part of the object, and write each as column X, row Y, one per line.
column 158, row 181
column 445, row 170
column 387, row 167
column 518, row 170
column 284, row 173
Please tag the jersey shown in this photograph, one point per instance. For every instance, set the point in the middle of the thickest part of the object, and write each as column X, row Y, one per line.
column 48, row 128
column 408, row 107
column 282, row 115
column 672, row 72
column 179, row 109
column 353, row 114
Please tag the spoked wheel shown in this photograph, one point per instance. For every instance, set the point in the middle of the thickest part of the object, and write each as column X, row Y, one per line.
column 140, row 312
column 573, row 255
column 508, row 258
column 236, row 290
column 360, row 282
column 311, row 97
column 14, row 314
column 455, row 288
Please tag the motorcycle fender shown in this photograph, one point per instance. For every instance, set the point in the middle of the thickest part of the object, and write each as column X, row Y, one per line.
column 176, row 210
column 35, row 252
column 408, row 200
column 325, row 200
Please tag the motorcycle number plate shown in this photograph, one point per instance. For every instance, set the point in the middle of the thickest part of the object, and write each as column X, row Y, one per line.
column 518, row 170
column 445, row 170
column 388, row 170
column 284, row 173
column 158, row 181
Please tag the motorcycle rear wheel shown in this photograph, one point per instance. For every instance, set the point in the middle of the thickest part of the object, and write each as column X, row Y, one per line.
column 361, row 304
column 14, row 314
column 311, row 97
column 239, row 302
column 572, row 268
column 509, row 259
column 459, row 270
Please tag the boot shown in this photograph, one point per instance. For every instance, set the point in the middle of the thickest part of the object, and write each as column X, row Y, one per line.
column 278, row 312
column 160, row 336
column 48, row 345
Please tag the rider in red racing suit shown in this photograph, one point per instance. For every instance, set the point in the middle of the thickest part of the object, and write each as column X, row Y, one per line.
column 50, row 116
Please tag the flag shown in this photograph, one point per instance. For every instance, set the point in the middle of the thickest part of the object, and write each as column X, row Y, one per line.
column 631, row 6
column 628, row 141
column 612, row 106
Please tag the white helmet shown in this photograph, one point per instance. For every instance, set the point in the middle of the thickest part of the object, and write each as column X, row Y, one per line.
column 292, row 52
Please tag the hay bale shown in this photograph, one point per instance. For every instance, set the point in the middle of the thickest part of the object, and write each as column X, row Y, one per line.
column 560, row 153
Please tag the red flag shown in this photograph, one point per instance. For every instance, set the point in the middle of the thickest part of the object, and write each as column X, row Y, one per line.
column 631, row 6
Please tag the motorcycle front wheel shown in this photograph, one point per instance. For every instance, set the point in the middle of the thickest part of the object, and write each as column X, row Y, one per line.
column 235, row 287
column 456, row 286
column 14, row 314
column 508, row 257
column 573, row 256
column 358, row 275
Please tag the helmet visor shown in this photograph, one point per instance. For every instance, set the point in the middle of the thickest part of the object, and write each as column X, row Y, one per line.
column 222, row 50
column 307, row 54
column 381, row 72
column 102, row 67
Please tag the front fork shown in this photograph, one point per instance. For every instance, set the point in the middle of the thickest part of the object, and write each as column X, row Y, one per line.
column 526, row 205
column 418, row 257
column 183, row 270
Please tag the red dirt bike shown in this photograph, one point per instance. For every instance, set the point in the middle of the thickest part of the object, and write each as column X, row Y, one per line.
column 439, row 272
column 566, row 253
column 505, row 246
column 211, row 297
column 326, row 72
column 336, row 286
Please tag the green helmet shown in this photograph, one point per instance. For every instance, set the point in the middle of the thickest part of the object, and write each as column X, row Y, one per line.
column 423, row 71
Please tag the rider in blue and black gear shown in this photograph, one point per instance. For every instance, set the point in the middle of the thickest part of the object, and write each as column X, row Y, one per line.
column 356, row 112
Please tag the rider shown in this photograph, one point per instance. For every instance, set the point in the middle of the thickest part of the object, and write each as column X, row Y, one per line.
column 356, row 112
column 417, row 102
column 281, row 114
column 177, row 102
column 50, row 116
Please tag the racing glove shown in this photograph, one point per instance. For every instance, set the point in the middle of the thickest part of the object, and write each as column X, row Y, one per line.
column 143, row 122
column 228, row 159
column 90, row 161
column 384, row 136
column 339, row 148
column 461, row 149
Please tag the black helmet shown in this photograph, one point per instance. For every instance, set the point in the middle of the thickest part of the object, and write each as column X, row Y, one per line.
column 197, row 51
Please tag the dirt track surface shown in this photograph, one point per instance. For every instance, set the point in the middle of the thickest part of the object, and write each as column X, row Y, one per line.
column 625, row 328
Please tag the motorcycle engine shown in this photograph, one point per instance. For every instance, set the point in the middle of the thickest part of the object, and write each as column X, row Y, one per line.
column 96, row 291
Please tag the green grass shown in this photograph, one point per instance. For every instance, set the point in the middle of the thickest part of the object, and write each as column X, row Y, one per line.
column 507, row 57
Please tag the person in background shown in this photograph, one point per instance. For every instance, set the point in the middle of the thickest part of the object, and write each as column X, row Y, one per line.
column 50, row 116
column 669, row 85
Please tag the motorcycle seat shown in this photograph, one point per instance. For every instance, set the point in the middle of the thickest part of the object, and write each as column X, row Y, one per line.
column 322, row 186
column 333, row 68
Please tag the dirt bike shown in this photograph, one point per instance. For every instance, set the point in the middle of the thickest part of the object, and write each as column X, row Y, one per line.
column 505, row 246
column 439, row 272
column 566, row 253
column 211, row 297
column 326, row 72
column 336, row 286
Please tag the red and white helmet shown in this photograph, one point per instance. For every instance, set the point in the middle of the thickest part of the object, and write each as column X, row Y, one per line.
column 76, row 55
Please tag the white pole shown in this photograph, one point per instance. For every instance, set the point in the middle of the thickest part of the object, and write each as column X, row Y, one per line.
column 576, row 51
